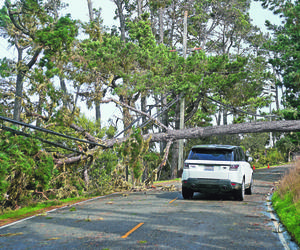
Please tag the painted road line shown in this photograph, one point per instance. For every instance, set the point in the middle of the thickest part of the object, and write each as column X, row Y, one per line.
column 132, row 230
column 173, row 200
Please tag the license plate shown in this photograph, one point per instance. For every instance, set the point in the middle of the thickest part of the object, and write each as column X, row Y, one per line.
column 209, row 168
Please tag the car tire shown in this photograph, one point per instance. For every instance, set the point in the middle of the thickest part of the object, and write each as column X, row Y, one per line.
column 249, row 189
column 240, row 194
column 187, row 193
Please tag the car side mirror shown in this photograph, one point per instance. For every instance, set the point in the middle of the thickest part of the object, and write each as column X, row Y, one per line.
column 250, row 159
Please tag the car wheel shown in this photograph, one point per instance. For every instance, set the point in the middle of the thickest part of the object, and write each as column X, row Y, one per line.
column 187, row 193
column 240, row 194
column 249, row 189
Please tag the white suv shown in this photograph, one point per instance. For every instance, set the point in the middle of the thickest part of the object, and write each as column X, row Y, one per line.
column 217, row 169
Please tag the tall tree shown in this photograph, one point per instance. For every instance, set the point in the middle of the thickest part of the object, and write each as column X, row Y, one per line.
column 19, row 22
column 286, row 48
column 92, row 20
column 32, row 26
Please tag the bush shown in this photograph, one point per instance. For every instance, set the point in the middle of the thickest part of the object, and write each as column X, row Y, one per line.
column 267, row 157
column 24, row 168
column 286, row 201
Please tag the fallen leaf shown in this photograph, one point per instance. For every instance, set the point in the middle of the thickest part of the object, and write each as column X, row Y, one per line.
column 54, row 238
column 142, row 241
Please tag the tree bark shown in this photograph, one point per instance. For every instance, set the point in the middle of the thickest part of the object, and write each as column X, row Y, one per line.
column 19, row 88
column 202, row 132
column 191, row 133
column 20, row 77
column 175, row 147
column 140, row 11
column 97, row 104
column 90, row 7
column 161, row 25
column 120, row 8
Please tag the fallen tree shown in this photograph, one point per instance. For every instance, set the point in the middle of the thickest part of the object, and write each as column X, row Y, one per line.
column 202, row 132
column 198, row 132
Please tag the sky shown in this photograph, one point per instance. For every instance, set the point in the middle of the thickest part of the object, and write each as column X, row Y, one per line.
column 79, row 10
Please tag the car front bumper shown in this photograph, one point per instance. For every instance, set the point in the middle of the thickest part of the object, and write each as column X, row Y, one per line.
column 210, row 185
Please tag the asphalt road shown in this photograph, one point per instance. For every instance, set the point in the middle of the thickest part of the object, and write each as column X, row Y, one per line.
column 154, row 220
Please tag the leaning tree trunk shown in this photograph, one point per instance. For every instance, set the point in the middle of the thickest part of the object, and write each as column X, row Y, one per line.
column 198, row 132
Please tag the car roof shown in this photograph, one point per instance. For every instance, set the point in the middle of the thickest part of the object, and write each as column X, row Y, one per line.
column 215, row 146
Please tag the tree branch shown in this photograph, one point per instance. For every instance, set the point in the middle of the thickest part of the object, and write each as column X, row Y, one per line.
column 135, row 110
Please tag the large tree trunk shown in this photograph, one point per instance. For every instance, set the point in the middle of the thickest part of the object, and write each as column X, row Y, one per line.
column 192, row 133
column 225, row 116
column 119, row 5
column 97, row 104
column 20, row 78
column 174, row 162
column 19, row 89
column 90, row 7
column 161, row 25
column 144, row 109
column 203, row 132
column 139, row 7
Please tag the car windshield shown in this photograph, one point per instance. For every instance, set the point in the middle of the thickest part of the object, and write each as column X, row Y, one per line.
column 211, row 154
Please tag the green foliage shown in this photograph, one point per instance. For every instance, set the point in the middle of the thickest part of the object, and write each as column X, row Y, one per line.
column 286, row 201
column 289, row 144
column 256, row 145
column 133, row 152
column 5, row 67
column 140, row 31
column 4, row 18
column 267, row 157
column 24, row 168
column 255, row 142
column 289, row 213
column 93, row 128
column 59, row 36
column 56, row 39
column 285, row 46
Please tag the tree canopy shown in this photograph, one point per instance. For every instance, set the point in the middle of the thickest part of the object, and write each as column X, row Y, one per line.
column 231, row 75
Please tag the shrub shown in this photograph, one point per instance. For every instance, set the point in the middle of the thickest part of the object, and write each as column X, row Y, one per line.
column 24, row 168
column 286, row 201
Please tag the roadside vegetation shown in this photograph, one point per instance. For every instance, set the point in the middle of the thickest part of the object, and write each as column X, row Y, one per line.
column 65, row 69
column 286, row 202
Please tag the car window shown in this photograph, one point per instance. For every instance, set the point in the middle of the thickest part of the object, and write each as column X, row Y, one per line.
column 211, row 154
column 237, row 156
column 242, row 158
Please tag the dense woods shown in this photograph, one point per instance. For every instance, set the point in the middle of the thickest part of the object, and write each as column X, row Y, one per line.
column 234, row 80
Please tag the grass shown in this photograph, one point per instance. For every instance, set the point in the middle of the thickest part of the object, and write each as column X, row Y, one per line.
column 286, row 202
column 36, row 208
column 166, row 181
